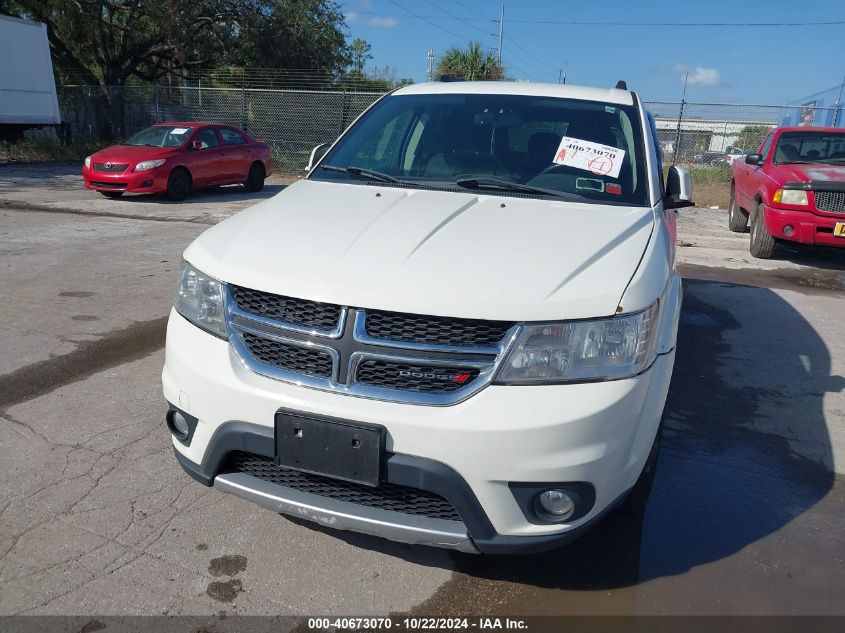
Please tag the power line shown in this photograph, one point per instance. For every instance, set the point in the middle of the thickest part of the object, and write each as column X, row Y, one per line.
column 529, row 54
column 425, row 19
column 465, row 21
column 629, row 24
column 471, row 10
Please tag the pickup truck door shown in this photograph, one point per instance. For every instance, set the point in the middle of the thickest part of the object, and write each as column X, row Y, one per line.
column 749, row 176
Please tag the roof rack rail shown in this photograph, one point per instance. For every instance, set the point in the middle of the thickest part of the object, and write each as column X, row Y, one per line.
column 450, row 77
column 621, row 85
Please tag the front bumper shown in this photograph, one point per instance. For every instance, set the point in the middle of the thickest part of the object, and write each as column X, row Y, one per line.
column 149, row 181
column 808, row 227
column 469, row 453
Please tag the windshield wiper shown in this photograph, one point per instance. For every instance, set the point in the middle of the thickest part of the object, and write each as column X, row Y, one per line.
column 364, row 173
column 484, row 182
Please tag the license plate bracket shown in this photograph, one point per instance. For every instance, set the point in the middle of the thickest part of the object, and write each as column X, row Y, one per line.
column 342, row 449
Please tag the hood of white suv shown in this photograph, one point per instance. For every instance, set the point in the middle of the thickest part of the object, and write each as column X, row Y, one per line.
column 431, row 252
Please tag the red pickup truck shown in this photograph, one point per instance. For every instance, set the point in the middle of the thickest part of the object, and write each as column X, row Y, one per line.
column 792, row 189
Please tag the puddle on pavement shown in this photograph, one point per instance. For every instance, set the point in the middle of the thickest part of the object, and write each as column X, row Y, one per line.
column 228, row 565
column 224, row 591
column 737, row 522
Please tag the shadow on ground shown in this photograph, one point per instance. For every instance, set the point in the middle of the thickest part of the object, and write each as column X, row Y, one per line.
column 228, row 193
column 721, row 485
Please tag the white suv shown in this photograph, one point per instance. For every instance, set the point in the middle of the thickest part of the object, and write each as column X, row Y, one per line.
column 458, row 330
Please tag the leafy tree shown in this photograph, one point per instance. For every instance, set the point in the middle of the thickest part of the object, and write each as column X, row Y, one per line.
column 359, row 52
column 750, row 136
column 108, row 43
column 291, row 34
column 472, row 63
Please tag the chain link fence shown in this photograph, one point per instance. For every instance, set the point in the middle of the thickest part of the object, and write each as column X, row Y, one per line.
column 704, row 137
column 291, row 121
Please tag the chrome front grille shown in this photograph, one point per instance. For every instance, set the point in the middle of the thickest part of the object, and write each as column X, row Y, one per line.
column 417, row 328
column 375, row 354
column 303, row 360
column 309, row 314
column 830, row 201
column 415, row 377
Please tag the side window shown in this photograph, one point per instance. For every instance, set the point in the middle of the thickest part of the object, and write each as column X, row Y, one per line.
column 207, row 138
column 766, row 146
column 231, row 137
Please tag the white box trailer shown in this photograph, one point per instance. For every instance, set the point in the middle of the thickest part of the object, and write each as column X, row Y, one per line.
column 27, row 86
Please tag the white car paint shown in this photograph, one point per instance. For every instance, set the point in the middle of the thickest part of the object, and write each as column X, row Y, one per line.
column 360, row 246
column 463, row 255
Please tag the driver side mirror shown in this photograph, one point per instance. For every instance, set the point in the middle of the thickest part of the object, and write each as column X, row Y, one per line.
column 316, row 154
column 195, row 145
column 754, row 159
column 678, row 189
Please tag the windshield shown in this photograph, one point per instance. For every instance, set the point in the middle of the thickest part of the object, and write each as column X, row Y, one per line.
column 584, row 150
column 161, row 136
column 810, row 147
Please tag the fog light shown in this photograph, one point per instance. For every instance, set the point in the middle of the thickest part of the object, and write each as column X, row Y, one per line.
column 787, row 230
column 556, row 504
column 178, row 425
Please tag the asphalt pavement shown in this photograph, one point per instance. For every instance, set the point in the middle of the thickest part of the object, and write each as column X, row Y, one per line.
column 96, row 517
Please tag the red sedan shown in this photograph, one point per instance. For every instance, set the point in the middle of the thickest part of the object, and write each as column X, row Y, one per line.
column 175, row 158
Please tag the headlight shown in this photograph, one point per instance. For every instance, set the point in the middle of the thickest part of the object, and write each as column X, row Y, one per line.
column 144, row 165
column 88, row 161
column 790, row 196
column 200, row 300
column 601, row 349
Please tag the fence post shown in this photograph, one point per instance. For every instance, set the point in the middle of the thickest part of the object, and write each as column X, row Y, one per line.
column 344, row 112
column 243, row 99
column 678, row 135
column 155, row 93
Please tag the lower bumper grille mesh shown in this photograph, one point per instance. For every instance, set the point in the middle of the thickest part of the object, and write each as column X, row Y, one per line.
column 386, row 496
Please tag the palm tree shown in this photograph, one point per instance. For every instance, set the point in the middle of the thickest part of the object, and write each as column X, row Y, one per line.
column 471, row 64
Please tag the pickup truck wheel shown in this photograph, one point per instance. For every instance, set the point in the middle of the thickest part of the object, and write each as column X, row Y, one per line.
column 762, row 243
column 178, row 185
column 639, row 494
column 255, row 179
column 737, row 218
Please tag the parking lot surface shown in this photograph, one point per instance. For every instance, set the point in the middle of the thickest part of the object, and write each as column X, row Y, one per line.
column 96, row 517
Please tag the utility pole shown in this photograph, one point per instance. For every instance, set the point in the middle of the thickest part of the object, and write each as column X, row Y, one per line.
column 561, row 74
column 430, row 58
column 501, row 33
column 838, row 104
column 680, row 119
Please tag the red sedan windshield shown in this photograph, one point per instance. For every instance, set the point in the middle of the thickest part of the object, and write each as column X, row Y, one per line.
column 161, row 136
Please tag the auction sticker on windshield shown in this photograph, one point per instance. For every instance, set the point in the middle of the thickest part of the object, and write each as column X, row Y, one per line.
column 602, row 160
